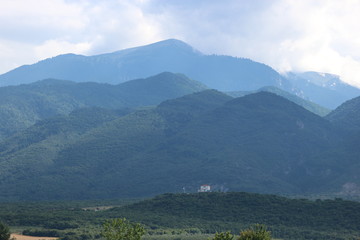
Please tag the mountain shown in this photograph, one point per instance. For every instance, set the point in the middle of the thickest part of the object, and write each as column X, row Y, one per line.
column 219, row 72
column 326, row 89
column 347, row 118
column 22, row 106
column 311, row 106
column 224, row 73
column 347, row 115
column 260, row 142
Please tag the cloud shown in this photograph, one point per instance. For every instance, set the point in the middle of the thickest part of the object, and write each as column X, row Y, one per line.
column 56, row 47
column 32, row 21
column 287, row 35
column 36, row 29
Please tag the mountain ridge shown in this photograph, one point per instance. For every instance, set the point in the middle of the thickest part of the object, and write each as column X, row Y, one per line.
column 224, row 73
column 258, row 143
column 23, row 105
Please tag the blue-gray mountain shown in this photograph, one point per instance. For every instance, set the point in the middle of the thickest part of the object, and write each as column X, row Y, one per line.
column 219, row 72
column 347, row 115
column 325, row 89
column 261, row 143
column 224, row 73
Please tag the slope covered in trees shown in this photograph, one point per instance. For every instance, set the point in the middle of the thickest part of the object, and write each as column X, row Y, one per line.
column 24, row 105
column 260, row 142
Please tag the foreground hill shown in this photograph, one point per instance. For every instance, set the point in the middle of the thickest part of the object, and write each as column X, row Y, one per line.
column 190, row 216
column 212, row 212
column 24, row 105
column 260, row 142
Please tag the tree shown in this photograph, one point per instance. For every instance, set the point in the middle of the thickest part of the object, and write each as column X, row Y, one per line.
column 223, row 236
column 257, row 232
column 122, row 229
column 4, row 232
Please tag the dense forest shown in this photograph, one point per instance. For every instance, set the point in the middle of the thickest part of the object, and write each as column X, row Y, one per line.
column 200, row 214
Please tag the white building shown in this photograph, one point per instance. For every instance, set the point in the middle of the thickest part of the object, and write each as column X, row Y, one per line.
column 204, row 188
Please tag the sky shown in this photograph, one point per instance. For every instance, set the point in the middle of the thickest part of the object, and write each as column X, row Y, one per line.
column 288, row 35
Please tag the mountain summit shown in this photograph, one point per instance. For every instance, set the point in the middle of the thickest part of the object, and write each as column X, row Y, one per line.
column 219, row 72
column 224, row 73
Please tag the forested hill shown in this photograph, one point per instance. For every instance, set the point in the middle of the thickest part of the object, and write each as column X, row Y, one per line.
column 260, row 143
column 347, row 115
column 24, row 105
column 287, row 218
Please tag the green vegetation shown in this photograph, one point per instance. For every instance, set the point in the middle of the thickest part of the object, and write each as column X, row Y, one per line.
column 216, row 212
column 4, row 232
column 22, row 106
column 260, row 143
column 347, row 115
column 122, row 229
column 257, row 232
column 223, row 236
column 190, row 216
column 308, row 105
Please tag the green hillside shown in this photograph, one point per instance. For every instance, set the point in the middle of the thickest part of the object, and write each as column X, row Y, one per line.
column 212, row 212
column 259, row 143
column 347, row 115
column 310, row 106
column 24, row 105
column 190, row 216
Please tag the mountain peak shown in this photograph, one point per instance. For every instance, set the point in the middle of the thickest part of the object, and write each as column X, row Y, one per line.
column 169, row 44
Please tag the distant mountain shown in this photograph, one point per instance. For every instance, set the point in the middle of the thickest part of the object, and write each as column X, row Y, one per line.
column 22, row 106
column 311, row 106
column 328, row 90
column 219, row 72
column 260, row 142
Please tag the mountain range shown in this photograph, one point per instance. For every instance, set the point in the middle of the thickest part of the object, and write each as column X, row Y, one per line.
column 24, row 105
column 260, row 142
column 97, row 135
column 224, row 73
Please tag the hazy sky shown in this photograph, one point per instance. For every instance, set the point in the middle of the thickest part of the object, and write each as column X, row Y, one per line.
column 299, row 35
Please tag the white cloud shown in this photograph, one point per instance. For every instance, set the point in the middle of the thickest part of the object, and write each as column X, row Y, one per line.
column 285, row 34
column 36, row 20
column 56, row 47
column 35, row 29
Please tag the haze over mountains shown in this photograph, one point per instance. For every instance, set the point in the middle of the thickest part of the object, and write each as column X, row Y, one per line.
column 166, row 132
column 223, row 73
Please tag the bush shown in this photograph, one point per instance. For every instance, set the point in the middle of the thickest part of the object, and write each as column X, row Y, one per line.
column 223, row 236
column 121, row 229
column 4, row 232
column 258, row 232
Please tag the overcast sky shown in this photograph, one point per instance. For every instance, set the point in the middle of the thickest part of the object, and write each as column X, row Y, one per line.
column 297, row 35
